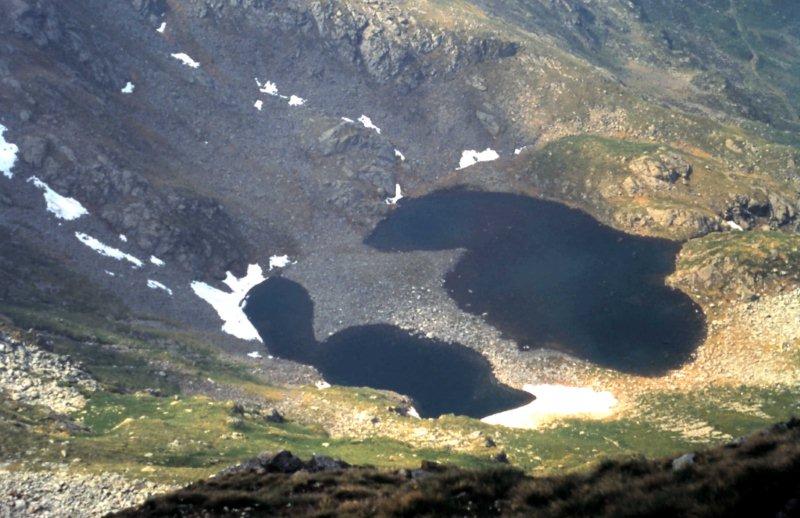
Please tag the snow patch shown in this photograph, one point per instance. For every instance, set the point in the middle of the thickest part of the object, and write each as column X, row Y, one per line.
column 186, row 59
column 128, row 88
column 399, row 155
column 8, row 154
column 61, row 206
column 258, row 105
column 278, row 261
column 412, row 412
column 553, row 402
column 155, row 285
column 367, row 122
column 111, row 274
column 322, row 385
column 267, row 88
column 123, row 238
column 398, row 195
column 106, row 250
column 734, row 226
column 156, row 261
column 471, row 157
column 270, row 88
column 519, row 150
column 255, row 355
column 348, row 119
column 229, row 305
column 162, row 28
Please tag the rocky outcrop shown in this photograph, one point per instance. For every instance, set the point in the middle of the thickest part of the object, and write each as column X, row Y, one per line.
column 738, row 265
column 769, row 208
column 685, row 222
column 285, row 462
column 389, row 44
column 193, row 231
column 32, row 376
column 358, row 170
column 656, row 172
column 43, row 23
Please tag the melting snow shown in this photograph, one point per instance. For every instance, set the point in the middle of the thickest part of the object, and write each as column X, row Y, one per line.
column 185, row 59
column 278, row 261
column 106, row 250
column 155, row 285
column 61, row 206
column 267, row 88
column 8, row 154
column 734, row 226
column 229, row 305
column 255, row 355
column 367, row 122
column 156, row 261
column 270, row 88
column 161, row 28
column 128, row 89
column 555, row 401
column 398, row 195
column 258, row 104
column 471, row 157
column 399, row 155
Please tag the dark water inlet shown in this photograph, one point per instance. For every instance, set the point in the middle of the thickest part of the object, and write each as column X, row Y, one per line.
column 440, row 377
column 549, row 276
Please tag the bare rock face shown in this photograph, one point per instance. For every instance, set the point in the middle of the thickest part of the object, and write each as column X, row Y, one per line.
column 660, row 170
column 393, row 46
column 41, row 22
column 379, row 37
column 690, row 223
column 357, row 170
column 193, row 231
column 766, row 208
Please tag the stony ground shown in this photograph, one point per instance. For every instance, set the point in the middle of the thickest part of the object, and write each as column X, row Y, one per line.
column 62, row 492
column 32, row 376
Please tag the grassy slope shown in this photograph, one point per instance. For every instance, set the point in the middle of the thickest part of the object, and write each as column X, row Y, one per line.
column 177, row 438
column 757, row 477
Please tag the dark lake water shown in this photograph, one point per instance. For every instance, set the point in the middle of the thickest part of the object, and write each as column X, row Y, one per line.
column 440, row 377
column 549, row 276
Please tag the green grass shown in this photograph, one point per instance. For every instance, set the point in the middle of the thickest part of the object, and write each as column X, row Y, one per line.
column 182, row 439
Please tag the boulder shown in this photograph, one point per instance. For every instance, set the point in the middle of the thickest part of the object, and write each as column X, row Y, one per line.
column 683, row 462
column 666, row 168
column 501, row 457
column 275, row 417
column 323, row 463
